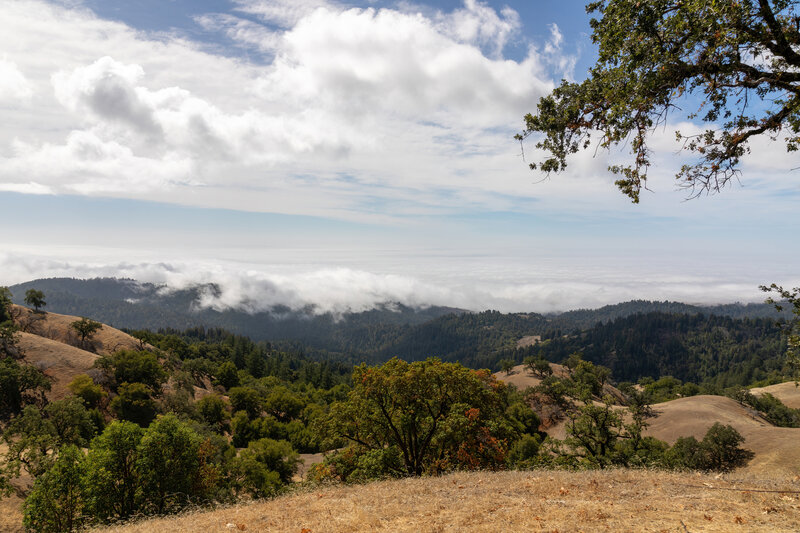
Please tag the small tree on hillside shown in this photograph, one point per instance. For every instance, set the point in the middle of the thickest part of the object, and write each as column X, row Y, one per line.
column 86, row 328
column 538, row 366
column 507, row 366
column 35, row 299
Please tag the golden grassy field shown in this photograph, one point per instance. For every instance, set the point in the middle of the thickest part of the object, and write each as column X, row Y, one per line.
column 788, row 393
column 543, row 500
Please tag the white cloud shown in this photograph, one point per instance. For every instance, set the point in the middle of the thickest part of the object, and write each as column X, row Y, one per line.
column 13, row 84
column 478, row 23
column 283, row 13
column 86, row 164
column 552, row 287
column 356, row 106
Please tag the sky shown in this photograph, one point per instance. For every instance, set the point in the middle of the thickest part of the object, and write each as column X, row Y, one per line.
column 345, row 154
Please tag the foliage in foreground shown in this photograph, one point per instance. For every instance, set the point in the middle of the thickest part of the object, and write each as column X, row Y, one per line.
column 132, row 471
column 740, row 58
column 392, row 406
column 424, row 417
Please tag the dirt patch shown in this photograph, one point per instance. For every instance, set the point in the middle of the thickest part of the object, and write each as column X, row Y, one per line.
column 57, row 360
column 529, row 340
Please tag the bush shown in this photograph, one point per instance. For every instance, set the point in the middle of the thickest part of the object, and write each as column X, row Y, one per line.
column 357, row 464
column 524, row 452
column 84, row 387
column 214, row 411
column 168, row 464
column 134, row 403
column 719, row 451
column 265, row 466
column 56, row 502
column 131, row 366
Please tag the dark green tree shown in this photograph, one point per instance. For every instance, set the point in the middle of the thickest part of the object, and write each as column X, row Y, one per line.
column 111, row 479
column 265, row 466
column 719, row 451
column 506, row 365
column 56, row 502
column 20, row 385
column 134, row 402
column 5, row 304
column 246, row 399
column 168, row 464
column 538, row 366
column 86, row 328
column 9, row 340
column 132, row 366
column 35, row 299
column 228, row 375
column 739, row 58
column 792, row 327
column 215, row 412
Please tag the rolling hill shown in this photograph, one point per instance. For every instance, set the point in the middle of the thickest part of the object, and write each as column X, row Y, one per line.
column 775, row 448
column 49, row 343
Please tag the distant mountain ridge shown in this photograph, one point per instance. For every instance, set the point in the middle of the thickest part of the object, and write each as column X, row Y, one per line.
column 476, row 339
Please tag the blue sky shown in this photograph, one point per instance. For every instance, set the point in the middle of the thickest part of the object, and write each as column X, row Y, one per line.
column 348, row 153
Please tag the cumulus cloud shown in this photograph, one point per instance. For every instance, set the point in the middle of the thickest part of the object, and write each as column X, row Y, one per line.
column 393, row 99
column 14, row 86
column 478, row 23
column 107, row 91
column 87, row 164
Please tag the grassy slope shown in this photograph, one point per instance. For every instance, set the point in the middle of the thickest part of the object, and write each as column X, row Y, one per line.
column 615, row 500
column 788, row 393
column 50, row 344
column 776, row 450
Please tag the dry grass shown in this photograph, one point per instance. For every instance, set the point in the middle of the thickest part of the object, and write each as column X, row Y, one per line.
column 11, row 515
column 776, row 449
column 57, row 327
column 618, row 500
column 57, row 360
column 788, row 393
column 49, row 343
column 522, row 378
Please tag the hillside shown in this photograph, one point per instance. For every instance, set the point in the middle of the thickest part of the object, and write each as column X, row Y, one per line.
column 613, row 500
column 788, row 393
column 635, row 339
column 776, row 450
column 521, row 378
column 50, row 344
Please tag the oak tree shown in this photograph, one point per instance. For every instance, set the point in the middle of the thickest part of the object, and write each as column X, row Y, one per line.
column 736, row 63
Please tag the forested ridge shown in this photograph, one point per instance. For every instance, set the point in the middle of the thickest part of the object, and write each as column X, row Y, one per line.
column 671, row 341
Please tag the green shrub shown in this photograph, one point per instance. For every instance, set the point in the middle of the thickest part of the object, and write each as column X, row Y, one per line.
column 56, row 502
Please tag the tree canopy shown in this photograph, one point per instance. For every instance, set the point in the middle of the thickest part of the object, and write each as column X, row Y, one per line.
column 35, row 299
column 435, row 415
column 740, row 59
